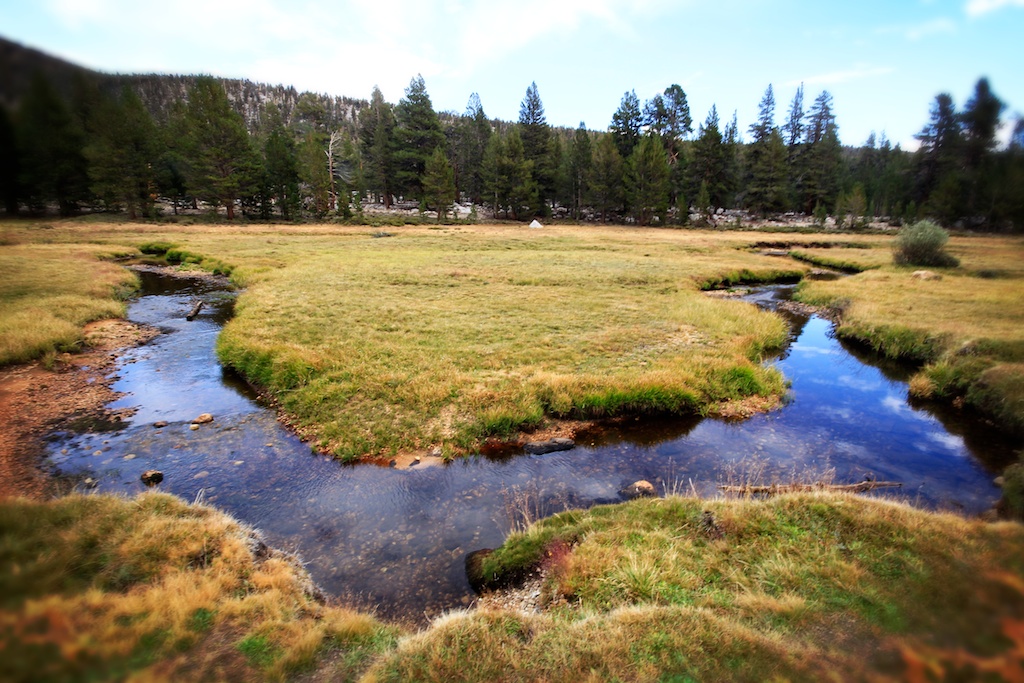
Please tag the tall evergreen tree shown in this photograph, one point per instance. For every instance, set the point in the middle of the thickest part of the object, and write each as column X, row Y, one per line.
column 536, row 136
column 761, row 129
column 766, row 185
column 50, row 144
column 980, row 121
column 678, row 122
column 709, row 164
column 793, row 129
column 377, row 144
column 508, row 175
column 822, row 156
column 122, row 152
column 938, row 159
column 646, row 179
column 439, row 184
column 314, row 173
column 474, row 135
column 417, row 135
column 580, row 162
column 219, row 155
column 627, row 121
column 606, row 187
column 281, row 165
column 10, row 162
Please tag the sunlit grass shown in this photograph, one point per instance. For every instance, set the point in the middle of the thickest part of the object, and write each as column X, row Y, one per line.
column 798, row 587
column 48, row 292
column 98, row 587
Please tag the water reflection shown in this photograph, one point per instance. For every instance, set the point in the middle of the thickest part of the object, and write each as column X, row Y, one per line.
column 396, row 539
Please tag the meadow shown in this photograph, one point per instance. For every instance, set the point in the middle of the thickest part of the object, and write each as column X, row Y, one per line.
column 439, row 337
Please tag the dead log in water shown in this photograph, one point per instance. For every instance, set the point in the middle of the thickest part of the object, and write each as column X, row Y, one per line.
column 772, row 489
column 195, row 311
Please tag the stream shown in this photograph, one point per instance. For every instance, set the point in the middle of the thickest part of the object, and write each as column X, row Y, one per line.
column 395, row 540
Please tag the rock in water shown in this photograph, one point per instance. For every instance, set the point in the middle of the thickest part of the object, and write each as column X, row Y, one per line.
column 638, row 489
column 159, row 424
column 203, row 419
column 549, row 446
column 152, row 477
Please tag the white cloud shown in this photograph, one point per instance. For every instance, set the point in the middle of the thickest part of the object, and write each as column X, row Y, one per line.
column 928, row 28
column 836, row 77
column 977, row 8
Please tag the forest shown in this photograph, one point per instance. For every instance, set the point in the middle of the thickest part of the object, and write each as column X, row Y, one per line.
column 146, row 145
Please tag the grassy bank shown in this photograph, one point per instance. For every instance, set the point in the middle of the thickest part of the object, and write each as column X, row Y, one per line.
column 802, row 587
column 105, row 588
column 48, row 292
column 966, row 329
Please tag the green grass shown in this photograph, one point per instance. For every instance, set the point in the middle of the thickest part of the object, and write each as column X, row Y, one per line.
column 797, row 587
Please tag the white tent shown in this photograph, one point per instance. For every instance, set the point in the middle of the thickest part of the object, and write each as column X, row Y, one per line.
column 536, row 224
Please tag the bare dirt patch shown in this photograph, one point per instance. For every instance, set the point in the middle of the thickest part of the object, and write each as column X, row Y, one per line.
column 35, row 400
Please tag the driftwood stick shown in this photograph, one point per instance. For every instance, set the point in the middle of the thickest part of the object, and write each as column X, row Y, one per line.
column 195, row 311
column 790, row 488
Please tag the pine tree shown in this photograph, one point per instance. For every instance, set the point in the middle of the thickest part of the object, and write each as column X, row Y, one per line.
column 580, row 163
column 439, row 184
column 822, row 157
column 646, row 180
column 793, row 129
column 10, row 162
column 766, row 186
column 219, row 155
column 474, row 135
column 314, row 174
column 938, row 182
column 765, row 124
column 606, row 189
column 418, row 134
column 50, row 143
column 980, row 121
column 377, row 143
column 508, row 175
column 627, row 122
column 536, row 136
column 281, row 166
column 709, row 161
column 122, row 152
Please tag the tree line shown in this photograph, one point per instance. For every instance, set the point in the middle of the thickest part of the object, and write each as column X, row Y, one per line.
column 650, row 166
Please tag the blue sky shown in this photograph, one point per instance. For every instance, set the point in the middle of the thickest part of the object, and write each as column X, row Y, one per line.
column 883, row 61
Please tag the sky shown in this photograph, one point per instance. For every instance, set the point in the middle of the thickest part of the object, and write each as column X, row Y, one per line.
column 883, row 61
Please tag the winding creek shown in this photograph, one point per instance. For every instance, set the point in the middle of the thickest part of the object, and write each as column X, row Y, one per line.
column 396, row 540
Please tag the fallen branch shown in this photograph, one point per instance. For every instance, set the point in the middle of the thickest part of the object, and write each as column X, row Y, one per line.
column 195, row 311
column 749, row 489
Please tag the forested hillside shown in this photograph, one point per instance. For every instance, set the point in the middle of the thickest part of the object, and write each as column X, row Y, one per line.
column 73, row 139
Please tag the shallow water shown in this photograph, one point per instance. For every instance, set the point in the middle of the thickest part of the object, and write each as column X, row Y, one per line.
column 396, row 540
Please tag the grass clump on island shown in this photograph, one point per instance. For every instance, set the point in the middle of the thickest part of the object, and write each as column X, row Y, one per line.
column 965, row 328
column 106, row 588
column 800, row 587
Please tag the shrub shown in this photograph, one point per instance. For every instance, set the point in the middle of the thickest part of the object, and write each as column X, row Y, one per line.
column 921, row 244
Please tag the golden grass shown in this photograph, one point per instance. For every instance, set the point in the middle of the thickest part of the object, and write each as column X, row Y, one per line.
column 48, row 293
column 801, row 587
column 441, row 337
column 104, row 587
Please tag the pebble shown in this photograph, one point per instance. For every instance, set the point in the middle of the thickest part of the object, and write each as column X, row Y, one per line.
column 193, row 427
column 130, row 456
column 201, row 475
column 97, row 452
column 159, row 424
column 238, row 462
